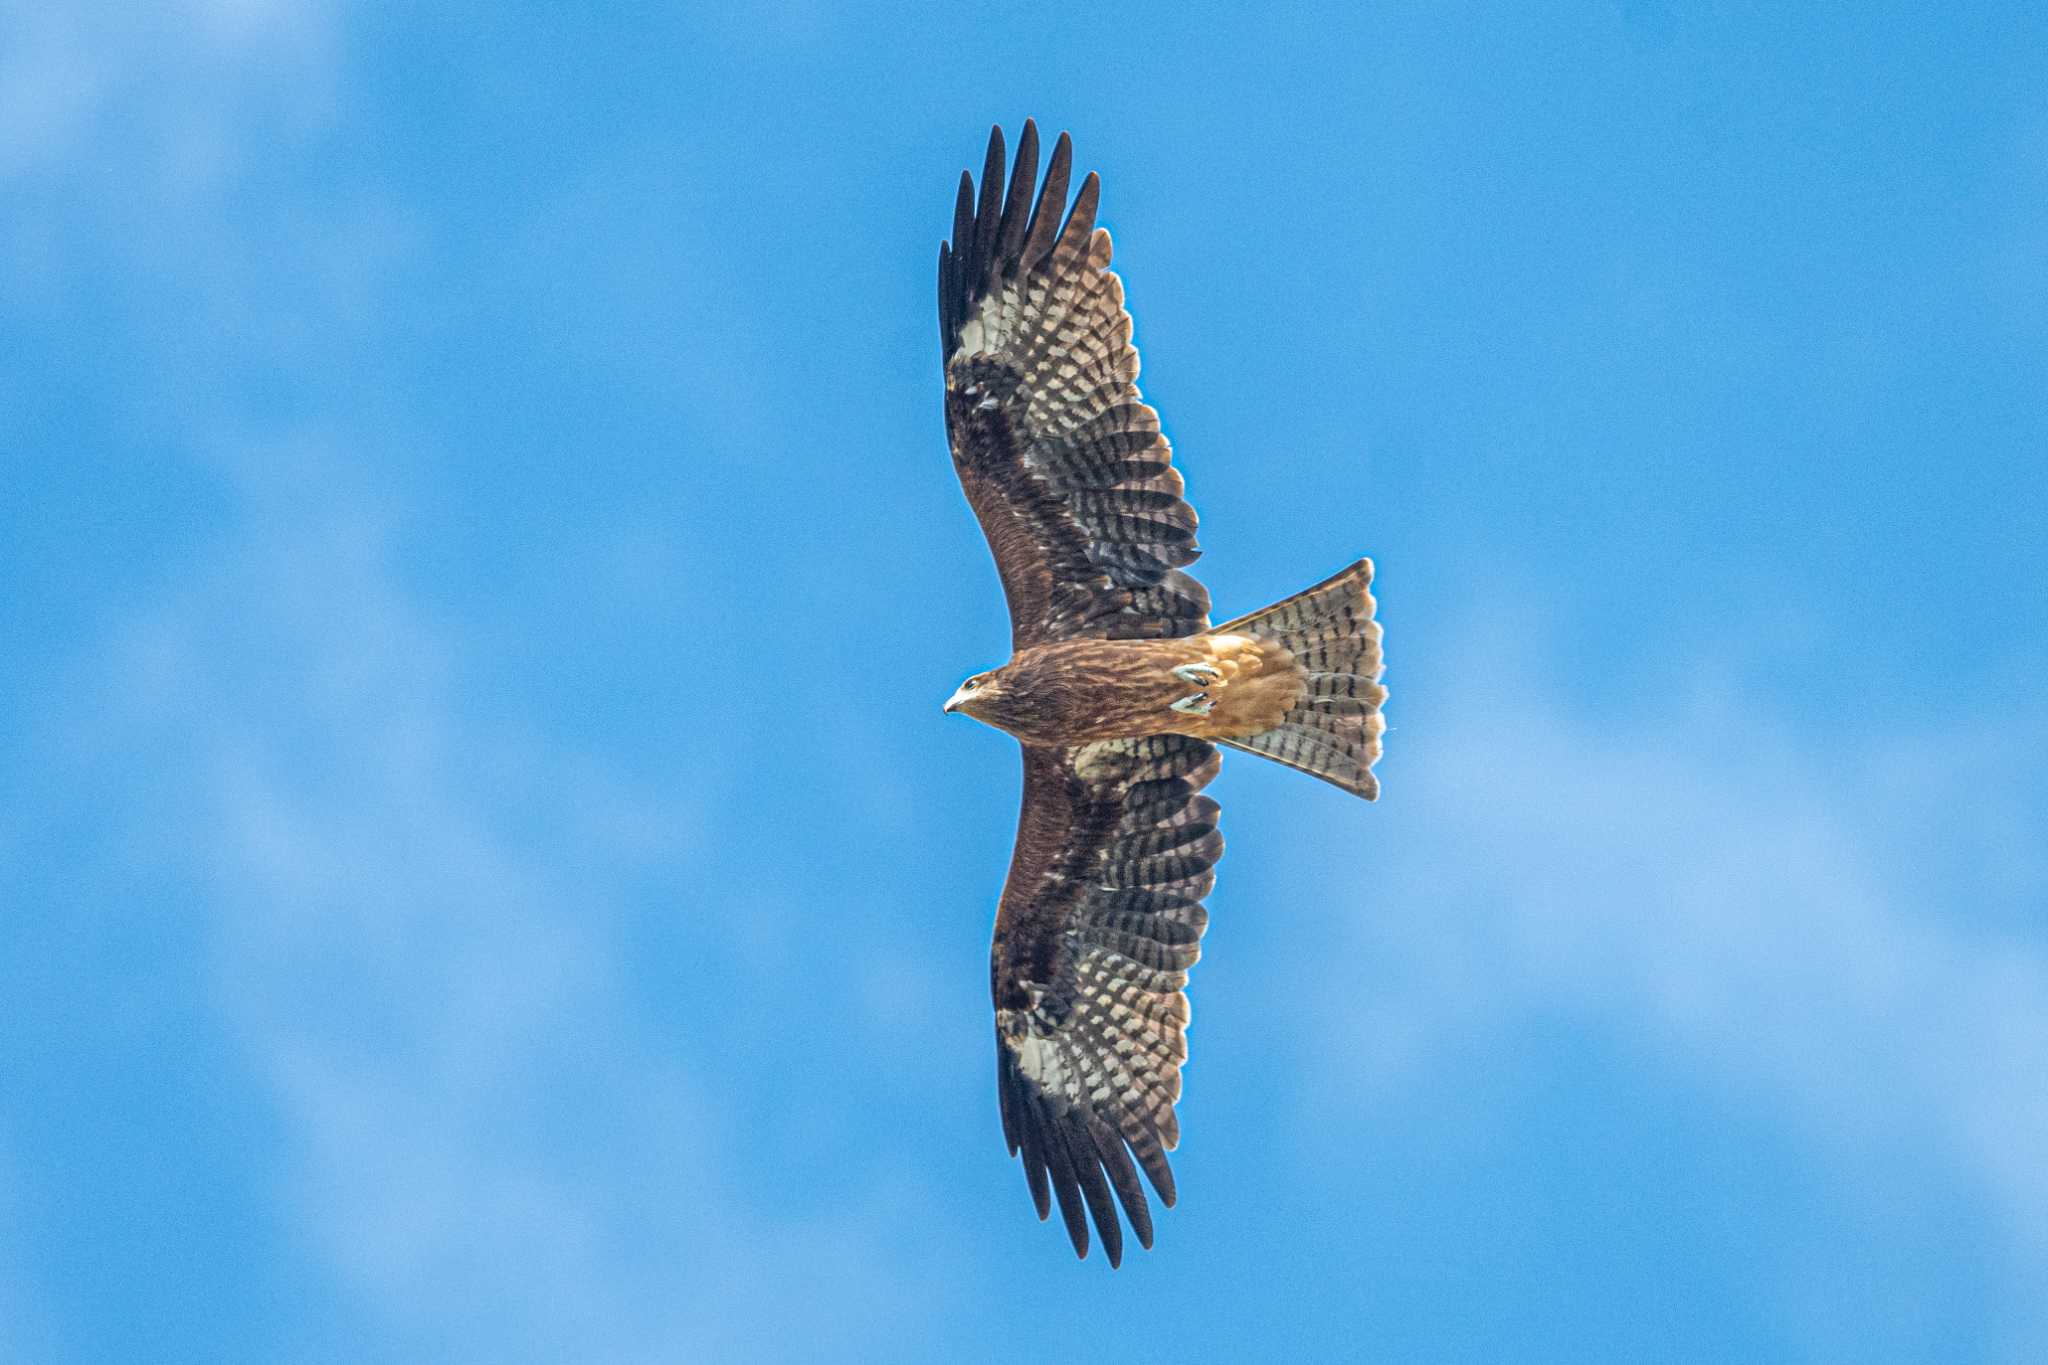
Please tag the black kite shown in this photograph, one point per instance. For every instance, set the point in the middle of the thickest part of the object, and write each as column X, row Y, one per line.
column 1118, row 689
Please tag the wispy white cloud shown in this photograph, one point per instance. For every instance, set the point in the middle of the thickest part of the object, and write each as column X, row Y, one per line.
column 171, row 79
column 1836, row 925
column 132, row 142
column 416, row 910
column 415, row 905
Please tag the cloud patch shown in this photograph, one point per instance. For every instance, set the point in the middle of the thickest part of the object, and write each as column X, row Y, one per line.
column 415, row 912
column 1835, row 927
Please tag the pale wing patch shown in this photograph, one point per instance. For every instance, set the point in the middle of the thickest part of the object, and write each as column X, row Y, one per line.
column 1092, row 1034
column 1060, row 457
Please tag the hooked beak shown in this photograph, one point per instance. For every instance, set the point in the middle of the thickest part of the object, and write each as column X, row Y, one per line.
column 953, row 702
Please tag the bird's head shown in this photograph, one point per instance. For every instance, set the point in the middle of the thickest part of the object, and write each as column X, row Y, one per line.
column 981, row 696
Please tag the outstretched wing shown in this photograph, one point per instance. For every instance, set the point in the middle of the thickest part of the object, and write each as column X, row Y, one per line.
column 1061, row 460
column 1100, row 920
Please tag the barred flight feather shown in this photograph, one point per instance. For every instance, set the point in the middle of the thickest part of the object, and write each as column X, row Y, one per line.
column 1099, row 922
column 1333, row 730
column 1060, row 457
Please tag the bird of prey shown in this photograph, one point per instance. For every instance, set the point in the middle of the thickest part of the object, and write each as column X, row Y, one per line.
column 1117, row 687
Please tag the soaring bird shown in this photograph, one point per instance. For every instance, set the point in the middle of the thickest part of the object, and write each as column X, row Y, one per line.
column 1118, row 689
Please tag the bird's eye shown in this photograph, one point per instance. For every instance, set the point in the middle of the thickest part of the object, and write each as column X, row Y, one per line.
column 973, row 683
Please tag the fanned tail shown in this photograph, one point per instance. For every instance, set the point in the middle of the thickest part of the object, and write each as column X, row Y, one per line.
column 1333, row 730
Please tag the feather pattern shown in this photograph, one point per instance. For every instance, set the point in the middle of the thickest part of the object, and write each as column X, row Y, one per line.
column 1100, row 920
column 1062, row 461
column 1332, row 730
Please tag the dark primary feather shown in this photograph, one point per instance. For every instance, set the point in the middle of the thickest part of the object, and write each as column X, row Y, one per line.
column 1060, row 458
column 1100, row 920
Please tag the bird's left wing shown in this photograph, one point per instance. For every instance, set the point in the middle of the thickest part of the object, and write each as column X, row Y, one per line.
column 1062, row 461
column 1100, row 920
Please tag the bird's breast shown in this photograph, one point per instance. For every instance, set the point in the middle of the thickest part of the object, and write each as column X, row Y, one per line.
column 1076, row 691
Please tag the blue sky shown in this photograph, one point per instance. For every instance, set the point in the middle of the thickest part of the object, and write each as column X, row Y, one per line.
column 483, row 874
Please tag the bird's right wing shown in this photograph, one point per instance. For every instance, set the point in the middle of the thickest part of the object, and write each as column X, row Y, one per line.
column 1100, row 919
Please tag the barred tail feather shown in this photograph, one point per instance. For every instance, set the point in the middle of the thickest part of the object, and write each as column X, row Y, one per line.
column 1333, row 730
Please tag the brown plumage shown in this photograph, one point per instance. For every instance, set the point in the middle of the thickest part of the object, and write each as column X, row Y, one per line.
column 1117, row 688
column 1070, row 691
